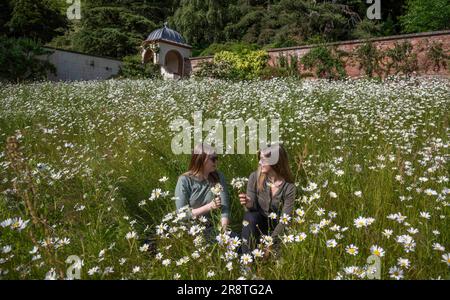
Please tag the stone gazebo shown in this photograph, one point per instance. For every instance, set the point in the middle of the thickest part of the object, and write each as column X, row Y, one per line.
column 168, row 49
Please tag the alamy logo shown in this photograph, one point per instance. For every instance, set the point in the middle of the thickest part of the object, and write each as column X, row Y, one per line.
column 225, row 143
column 74, row 270
column 374, row 267
column 74, row 10
column 374, row 11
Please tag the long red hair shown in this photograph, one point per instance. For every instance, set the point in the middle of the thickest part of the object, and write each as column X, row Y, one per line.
column 199, row 156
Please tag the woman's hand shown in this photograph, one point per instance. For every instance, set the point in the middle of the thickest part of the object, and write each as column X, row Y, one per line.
column 216, row 203
column 224, row 224
column 244, row 199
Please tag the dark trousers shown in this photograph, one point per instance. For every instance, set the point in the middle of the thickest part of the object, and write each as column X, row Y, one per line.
column 258, row 225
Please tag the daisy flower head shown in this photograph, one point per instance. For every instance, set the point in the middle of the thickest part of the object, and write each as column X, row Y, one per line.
column 363, row 222
column 425, row 215
column 396, row 273
column 285, row 219
column 301, row 237
column 320, row 211
column 403, row 262
column 239, row 183
column 163, row 179
column 351, row 249
column 131, row 235
column 257, row 253
column 217, row 189
column 267, row 240
column 246, row 259
column 387, row 233
column 438, row 247
column 273, row 216
column 446, row 259
column 166, row 262
column 377, row 251
column 300, row 212
column 331, row 243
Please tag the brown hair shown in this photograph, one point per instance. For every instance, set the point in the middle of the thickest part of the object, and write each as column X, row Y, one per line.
column 199, row 156
column 281, row 167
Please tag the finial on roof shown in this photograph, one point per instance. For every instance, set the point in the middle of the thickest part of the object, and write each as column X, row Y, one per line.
column 165, row 24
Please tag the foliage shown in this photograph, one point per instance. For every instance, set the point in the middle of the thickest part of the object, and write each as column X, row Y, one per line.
column 20, row 62
column 401, row 59
column 367, row 29
column 270, row 72
column 133, row 68
column 289, row 22
column 211, row 69
column 325, row 61
column 40, row 20
column 290, row 64
column 427, row 15
column 247, row 65
column 210, row 16
column 113, row 30
column 370, row 59
column 236, row 47
column 437, row 56
column 244, row 66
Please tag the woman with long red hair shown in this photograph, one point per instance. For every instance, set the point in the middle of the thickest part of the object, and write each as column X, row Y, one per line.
column 194, row 187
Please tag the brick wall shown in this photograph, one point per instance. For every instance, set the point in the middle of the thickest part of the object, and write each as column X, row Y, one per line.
column 420, row 43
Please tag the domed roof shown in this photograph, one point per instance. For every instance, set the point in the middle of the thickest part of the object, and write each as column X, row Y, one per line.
column 166, row 34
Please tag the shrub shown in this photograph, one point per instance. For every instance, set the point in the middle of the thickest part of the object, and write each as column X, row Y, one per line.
column 325, row 61
column 20, row 60
column 238, row 48
column 401, row 59
column 247, row 65
column 290, row 63
column 238, row 66
column 370, row 59
column 272, row 72
column 437, row 56
column 133, row 68
column 220, row 70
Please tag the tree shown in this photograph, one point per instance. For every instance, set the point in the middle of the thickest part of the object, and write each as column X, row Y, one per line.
column 426, row 15
column 36, row 19
column 133, row 68
column 211, row 16
column 111, row 29
column 20, row 61
column 5, row 15
column 291, row 22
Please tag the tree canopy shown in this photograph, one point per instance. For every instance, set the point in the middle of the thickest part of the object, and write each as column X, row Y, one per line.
column 117, row 27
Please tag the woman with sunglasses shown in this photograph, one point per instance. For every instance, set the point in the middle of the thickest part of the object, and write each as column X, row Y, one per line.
column 194, row 187
column 270, row 191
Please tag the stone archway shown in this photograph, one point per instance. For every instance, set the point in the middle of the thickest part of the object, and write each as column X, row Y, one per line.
column 173, row 63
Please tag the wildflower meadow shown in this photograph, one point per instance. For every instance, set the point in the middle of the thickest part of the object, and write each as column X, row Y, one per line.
column 87, row 179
